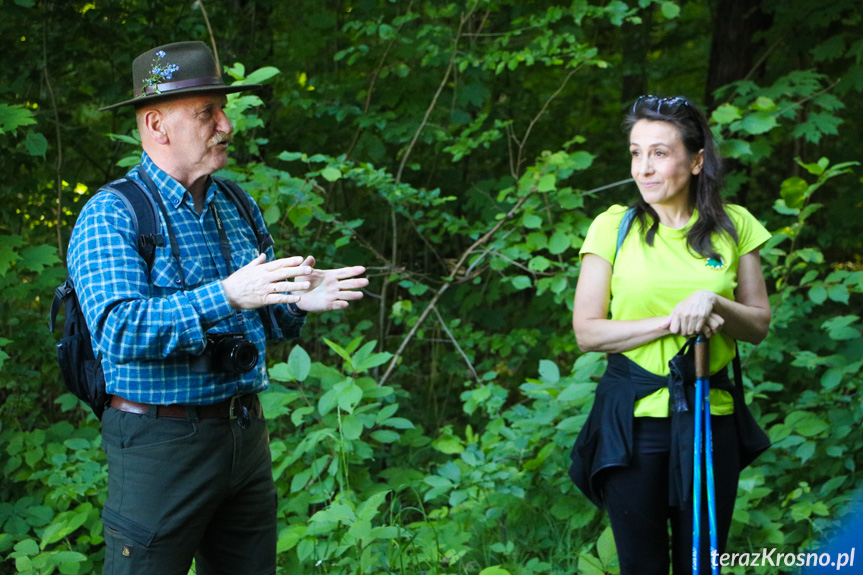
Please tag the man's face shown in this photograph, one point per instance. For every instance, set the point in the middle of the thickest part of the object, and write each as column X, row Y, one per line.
column 199, row 133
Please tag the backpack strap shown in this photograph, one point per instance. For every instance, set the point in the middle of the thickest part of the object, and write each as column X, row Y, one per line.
column 60, row 295
column 139, row 203
column 240, row 198
column 141, row 206
column 622, row 231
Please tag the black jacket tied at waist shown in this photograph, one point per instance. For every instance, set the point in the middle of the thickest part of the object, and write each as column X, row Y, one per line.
column 606, row 439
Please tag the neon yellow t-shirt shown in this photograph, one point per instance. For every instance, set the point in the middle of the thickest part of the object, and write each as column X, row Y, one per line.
column 649, row 281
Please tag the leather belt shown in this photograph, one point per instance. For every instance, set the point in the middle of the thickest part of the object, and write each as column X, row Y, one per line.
column 225, row 409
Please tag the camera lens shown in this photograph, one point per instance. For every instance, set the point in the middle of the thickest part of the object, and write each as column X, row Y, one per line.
column 236, row 355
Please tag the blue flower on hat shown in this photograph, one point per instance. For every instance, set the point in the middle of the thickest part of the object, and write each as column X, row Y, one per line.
column 160, row 72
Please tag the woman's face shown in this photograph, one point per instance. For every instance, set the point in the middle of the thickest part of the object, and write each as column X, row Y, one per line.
column 661, row 166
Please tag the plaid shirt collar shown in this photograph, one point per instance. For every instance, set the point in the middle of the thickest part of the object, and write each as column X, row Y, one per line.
column 172, row 190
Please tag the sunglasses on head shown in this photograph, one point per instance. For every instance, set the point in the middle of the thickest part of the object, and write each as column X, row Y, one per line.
column 660, row 105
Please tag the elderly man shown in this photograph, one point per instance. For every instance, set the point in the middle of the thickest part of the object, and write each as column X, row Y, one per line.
column 183, row 338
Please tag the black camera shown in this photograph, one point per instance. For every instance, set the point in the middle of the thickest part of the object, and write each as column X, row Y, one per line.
column 226, row 353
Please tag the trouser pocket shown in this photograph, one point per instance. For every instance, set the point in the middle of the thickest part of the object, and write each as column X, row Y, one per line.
column 128, row 528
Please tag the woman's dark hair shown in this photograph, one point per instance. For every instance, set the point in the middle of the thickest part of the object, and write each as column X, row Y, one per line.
column 703, row 187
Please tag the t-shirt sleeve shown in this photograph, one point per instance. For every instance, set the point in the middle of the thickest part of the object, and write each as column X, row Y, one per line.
column 601, row 237
column 751, row 234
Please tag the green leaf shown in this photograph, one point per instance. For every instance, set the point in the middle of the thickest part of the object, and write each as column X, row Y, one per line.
column 349, row 396
column 838, row 293
column 733, row 148
column 398, row 423
column 14, row 116
column 494, row 570
column 818, row 294
column 290, row 156
column 605, row 547
column 839, row 328
column 299, row 364
column 793, row 191
column 806, row 451
column 352, row 427
column 832, row 377
column 384, row 436
column 328, row 402
column 670, row 10
column 538, row 264
column 812, row 427
column 300, row 480
column 373, row 360
column 298, row 414
column 272, row 214
column 521, row 282
column 576, row 391
column 758, row 123
column 331, row 174
column 531, row 221
column 260, row 75
column 36, row 144
column 559, row 242
column 581, row 160
column 764, row 104
column 339, row 350
column 546, row 183
column 725, row 114
column 589, row 565
column 548, row 371
column 815, row 168
column 448, row 444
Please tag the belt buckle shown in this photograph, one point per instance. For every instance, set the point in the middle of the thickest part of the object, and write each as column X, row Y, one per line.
column 241, row 414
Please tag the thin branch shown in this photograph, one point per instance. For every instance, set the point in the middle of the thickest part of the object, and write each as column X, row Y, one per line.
column 200, row 4
column 607, row 186
column 433, row 104
column 372, row 83
column 763, row 58
column 481, row 241
column 58, row 165
column 536, row 118
column 427, row 243
column 808, row 98
column 457, row 346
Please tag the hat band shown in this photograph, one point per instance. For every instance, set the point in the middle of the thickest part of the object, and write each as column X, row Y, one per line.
column 171, row 86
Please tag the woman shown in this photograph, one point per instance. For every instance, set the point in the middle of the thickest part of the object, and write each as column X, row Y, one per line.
column 688, row 265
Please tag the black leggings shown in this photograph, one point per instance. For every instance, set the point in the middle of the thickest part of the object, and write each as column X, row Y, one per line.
column 637, row 500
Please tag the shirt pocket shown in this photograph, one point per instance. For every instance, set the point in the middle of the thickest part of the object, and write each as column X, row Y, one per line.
column 165, row 276
column 242, row 257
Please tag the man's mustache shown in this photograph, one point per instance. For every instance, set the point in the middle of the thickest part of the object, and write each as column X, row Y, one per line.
column 219, row 138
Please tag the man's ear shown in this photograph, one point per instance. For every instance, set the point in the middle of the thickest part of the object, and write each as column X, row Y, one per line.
column 697, row 162
column 152, row 124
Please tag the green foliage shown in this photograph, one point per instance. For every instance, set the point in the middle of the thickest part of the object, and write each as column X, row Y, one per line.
column 457, row 150
column 59, row 473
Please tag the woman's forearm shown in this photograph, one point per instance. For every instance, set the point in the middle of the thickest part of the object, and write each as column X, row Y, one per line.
column 747, row 323
column 617, row 336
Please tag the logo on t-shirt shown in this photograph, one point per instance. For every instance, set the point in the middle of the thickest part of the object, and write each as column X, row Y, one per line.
column 715, row 264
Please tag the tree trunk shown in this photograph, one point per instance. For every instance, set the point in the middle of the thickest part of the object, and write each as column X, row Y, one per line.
column 734, row 50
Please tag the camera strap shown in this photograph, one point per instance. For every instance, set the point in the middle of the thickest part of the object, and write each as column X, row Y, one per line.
column 225, row 248
column 224, row 244
column 172, row 239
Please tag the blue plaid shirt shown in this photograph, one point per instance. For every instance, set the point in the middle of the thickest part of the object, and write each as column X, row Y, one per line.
column 146, row 325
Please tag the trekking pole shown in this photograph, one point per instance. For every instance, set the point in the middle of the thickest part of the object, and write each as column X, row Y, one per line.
column 703, row 447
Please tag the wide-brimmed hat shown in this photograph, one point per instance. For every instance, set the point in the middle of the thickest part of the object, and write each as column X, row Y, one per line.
column 174, row 69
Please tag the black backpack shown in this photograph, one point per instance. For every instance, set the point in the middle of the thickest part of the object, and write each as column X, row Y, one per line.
column 80, row 367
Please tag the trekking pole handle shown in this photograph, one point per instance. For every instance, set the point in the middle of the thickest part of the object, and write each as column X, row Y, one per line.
column 702, row 356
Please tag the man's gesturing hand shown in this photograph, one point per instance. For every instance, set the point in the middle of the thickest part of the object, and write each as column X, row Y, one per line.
column 261, row 283
column 330, row 289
